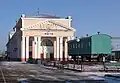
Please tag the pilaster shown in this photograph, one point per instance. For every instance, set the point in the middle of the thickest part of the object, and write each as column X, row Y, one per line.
column 35, row 47
column 61, row 48
column 57, row 47
column 23, row 49
column 39, row 48
column 27, row 48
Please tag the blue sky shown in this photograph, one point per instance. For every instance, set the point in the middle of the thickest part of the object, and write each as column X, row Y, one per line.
column 89, row 16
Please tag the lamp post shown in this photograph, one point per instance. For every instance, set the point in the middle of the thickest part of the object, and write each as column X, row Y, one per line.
column 78, row 53
column 104, row 62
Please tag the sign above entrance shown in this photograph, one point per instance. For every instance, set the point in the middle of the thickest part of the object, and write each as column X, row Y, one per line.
column 48, row 33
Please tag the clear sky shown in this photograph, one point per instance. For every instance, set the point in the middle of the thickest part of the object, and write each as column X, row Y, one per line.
column 89, row 16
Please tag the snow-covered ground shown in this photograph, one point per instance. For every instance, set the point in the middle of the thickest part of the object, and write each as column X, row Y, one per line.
column 34, row 71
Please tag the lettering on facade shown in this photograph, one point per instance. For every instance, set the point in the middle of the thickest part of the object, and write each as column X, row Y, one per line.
column 48, row 33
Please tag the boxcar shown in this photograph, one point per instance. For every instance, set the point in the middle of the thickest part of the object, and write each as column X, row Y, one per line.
column 95, row 45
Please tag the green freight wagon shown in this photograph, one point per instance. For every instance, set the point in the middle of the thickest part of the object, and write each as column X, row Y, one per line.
column 99, row 44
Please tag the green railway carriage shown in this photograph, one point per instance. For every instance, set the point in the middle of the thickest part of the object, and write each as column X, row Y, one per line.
column 99, row 44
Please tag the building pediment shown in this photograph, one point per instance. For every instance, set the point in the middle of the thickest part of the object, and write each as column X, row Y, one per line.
column 49, row 24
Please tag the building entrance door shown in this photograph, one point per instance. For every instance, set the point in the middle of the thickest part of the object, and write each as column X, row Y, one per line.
column 47, row 49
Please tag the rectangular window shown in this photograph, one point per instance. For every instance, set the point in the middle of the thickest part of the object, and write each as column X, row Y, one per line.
column 81, row 45
column 89, row 44
column 76, row 45
column 73, row 46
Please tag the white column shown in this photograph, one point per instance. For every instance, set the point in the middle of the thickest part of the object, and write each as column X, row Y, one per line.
column 66, row 50
column 68, row 39
column 35, row 47
column 39, row 47
column 61, row 48
column 23, row 49
column 27, row 48
column 44, row 50
column 66, row 47
column 57, row 48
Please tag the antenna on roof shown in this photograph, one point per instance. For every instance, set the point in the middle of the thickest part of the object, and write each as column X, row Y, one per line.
column 98, row 32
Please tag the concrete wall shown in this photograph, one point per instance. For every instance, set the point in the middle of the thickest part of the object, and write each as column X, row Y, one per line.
column 14, row 46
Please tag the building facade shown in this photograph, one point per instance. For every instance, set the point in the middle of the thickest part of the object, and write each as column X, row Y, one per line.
column 40, row 37
column 115, row 49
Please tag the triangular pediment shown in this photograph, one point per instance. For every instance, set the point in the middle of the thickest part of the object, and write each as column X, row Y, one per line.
column 49, row 24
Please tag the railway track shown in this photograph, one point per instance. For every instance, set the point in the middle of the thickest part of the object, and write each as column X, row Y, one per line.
column 2, row 77
column 5, row 77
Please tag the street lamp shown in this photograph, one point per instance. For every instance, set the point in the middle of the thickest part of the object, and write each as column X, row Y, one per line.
column 78, row 39
column 77, row 47
column 104, row 61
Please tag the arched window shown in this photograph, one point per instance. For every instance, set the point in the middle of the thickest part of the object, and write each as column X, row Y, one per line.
column 46, row 42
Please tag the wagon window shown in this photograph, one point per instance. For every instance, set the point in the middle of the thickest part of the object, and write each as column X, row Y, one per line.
column 76, row 46
column 89, row 44
column 73, row 46
column 81, row 45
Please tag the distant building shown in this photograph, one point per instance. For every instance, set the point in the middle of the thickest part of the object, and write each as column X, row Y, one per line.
column 115, row 48
column 40, row 37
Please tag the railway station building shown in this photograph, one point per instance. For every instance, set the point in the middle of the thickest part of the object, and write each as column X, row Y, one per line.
column 40, row 37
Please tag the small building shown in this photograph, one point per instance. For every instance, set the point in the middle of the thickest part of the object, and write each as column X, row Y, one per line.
column 115, row 49
column 95, row 45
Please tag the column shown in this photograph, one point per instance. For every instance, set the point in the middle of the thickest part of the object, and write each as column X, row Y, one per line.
column 44, row 52
column 61, row 48
column 66, row 48
column 27, row 48
column 23, row 49
column 39, row 48
column 35, row 47
column 57, row 47
column 68, row 39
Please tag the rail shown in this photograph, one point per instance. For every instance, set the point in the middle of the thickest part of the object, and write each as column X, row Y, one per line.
column 112, row 66
column 3, row 76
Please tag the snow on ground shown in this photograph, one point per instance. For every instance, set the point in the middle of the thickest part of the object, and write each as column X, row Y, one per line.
column 48, row 73
column 96, row 67
column 96, row 78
